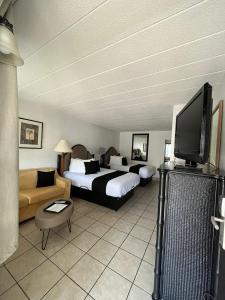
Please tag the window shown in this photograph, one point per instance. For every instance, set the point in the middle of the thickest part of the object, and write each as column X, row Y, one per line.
column 167, row 151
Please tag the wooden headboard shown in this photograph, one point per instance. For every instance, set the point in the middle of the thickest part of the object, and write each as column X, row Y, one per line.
column 78, row 151
column 110, row 152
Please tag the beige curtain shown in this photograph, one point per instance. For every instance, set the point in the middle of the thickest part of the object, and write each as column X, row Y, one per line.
column 8, row 162
column 8, row 154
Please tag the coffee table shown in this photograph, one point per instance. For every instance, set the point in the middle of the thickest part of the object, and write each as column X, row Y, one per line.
column 45, row 221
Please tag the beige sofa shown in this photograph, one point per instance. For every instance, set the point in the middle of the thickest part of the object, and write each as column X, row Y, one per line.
column 31, row 197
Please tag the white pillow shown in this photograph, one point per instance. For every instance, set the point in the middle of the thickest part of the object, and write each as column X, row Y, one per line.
column 77, row 165
column 116, row 160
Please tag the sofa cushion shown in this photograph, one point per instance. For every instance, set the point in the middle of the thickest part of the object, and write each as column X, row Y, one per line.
column 43, row 193
column 28, row 178
column 45, row 178
column 23, row 201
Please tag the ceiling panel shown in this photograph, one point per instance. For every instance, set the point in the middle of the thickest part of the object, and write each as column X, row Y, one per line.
column 180, row 73
column 56, row 85
column 40, row 21
column 168, row 87
column 119, row 64
column 108, row 25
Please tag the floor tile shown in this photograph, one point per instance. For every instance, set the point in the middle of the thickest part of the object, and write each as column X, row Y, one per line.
column 115, row 237
column 27, row 227
column 65, row 289
column 67, row 257
column 134, row 246
column 103, row 251
column 96, row 214
column 24, row 245
column 108, row 220
column 84, row 269
column 125, row 264
column 86, row 272
column 150, row 215
column 98, row 229
column 153, row 238
column 116, row 213
column 131, row 218
column 136, row 211
column 34, row 237
column 123, row 226
column 84, row 210
column 67, row 235
column 55, row 243
column 41, row 280
column 150, row 254
column 85, row 240
column 75, row 216
column 138, row 294
column 145, row 277
column 146, row 222
column 110, row 286
column 6, row 280
column 141, row 233
column 25, row 263
column 84, row 222
column 14, row 293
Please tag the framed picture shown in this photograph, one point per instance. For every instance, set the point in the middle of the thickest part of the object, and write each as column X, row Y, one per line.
column 216, row 134
column 30, row 134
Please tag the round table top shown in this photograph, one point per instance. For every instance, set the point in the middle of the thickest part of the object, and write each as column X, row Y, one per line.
column 47, row 220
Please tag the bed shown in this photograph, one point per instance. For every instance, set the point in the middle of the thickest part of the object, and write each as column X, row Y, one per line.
column 145, row 172
column 107, row 187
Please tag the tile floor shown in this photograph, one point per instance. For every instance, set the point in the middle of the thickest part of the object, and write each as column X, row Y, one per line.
column 108, row 255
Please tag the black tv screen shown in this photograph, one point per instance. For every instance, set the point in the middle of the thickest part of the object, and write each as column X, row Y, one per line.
column 193, row 127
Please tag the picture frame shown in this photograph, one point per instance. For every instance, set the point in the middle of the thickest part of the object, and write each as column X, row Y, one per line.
column 216, row 135
column 30, row 134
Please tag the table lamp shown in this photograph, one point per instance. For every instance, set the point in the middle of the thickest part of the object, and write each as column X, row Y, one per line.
column 62, row 147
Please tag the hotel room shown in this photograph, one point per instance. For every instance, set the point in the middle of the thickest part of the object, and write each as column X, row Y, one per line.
column 112, row 150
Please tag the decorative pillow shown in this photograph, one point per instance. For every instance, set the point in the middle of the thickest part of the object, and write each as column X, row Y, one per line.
column 97, row 165
column 116, row 160
column 45, row 178
column 90, row 167
column 124, row 161
column 77, row 165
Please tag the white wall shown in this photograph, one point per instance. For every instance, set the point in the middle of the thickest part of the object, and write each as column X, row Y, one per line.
column 59, row 125
column 176, row 110
column 220, row 95
column 155, row 149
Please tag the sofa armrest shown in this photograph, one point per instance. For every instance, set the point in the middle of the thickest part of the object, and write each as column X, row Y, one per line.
column 65, row 184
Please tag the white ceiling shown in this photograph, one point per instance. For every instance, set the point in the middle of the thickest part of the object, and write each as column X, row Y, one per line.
column 120, row 64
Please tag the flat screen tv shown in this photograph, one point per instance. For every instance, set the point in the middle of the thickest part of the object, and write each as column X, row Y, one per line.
column 193, row 128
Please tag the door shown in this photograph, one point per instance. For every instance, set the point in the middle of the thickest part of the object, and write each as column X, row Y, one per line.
column 219, row 224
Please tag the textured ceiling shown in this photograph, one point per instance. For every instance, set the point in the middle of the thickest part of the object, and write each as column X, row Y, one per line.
column 120, row 64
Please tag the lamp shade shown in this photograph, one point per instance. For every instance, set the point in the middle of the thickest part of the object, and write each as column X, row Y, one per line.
column 63, row 147
column 9, row 52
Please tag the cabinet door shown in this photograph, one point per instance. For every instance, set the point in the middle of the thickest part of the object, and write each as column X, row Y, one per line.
column 188, row 237
column 221, row 279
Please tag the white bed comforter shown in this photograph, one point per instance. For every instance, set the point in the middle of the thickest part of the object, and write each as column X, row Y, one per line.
column 116, row 187
column 144, row 172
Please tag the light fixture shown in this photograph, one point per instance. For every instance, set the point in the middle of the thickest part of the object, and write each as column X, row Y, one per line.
column 9, row 52
column 62, row 147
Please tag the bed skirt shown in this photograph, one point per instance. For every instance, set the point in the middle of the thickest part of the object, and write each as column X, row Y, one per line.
column 144, row 181
column 104, row 200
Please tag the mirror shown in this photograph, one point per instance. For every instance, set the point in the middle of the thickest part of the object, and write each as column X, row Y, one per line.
column 216, row 133
column 139, row 149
